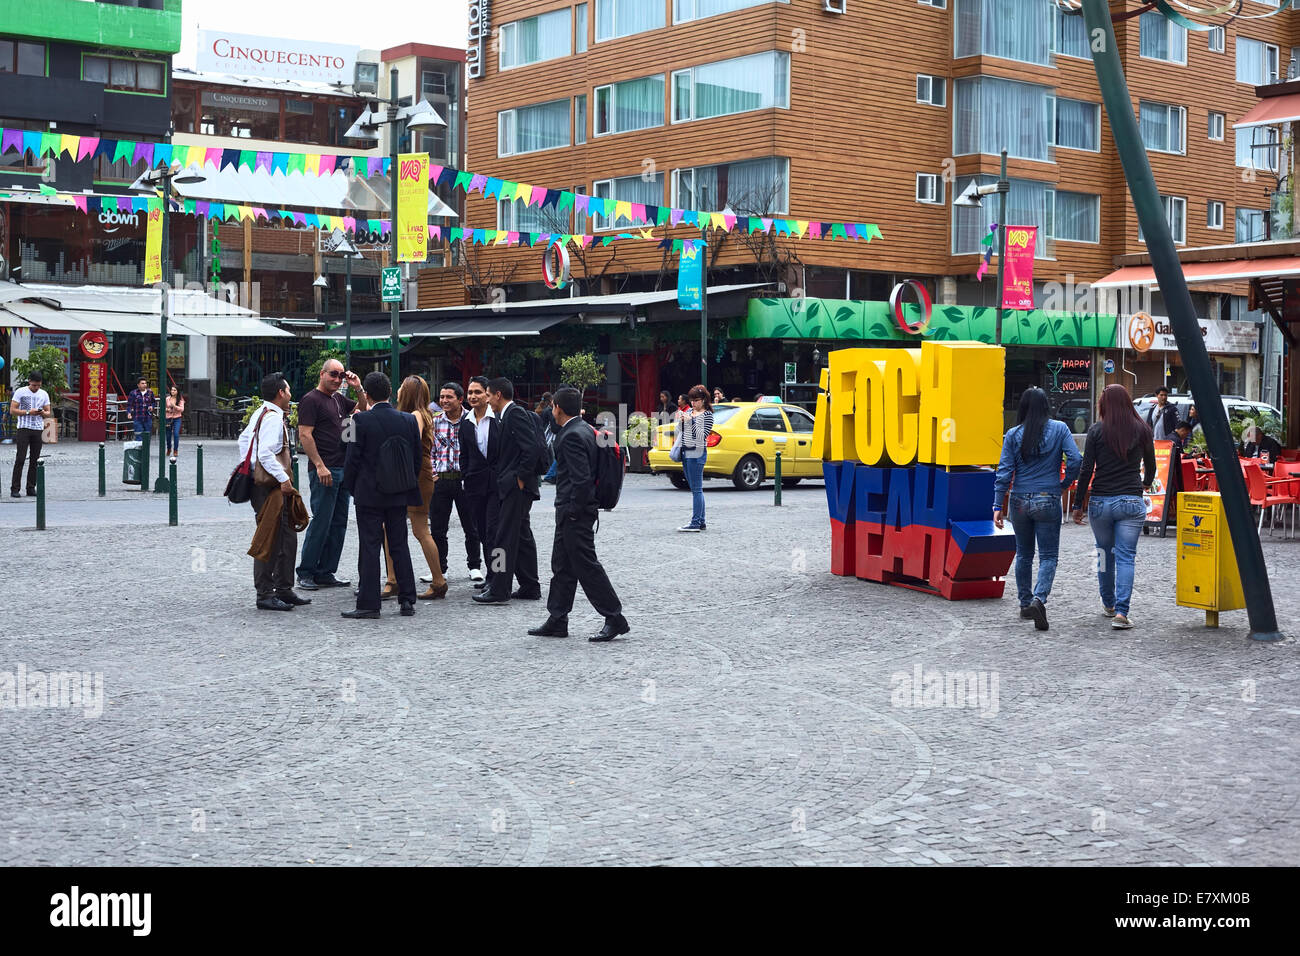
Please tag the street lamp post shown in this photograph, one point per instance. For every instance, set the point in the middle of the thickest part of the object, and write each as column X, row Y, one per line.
column 339, row 241
column 973, row 195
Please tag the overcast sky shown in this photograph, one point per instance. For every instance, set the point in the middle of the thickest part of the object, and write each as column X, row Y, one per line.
column 374, row 26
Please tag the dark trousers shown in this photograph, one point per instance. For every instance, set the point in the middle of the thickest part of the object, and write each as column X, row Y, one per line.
column 484, row 508
column 574, row 562
column 449, row 492
column 275, row 576
column 27, row 444
column 514, row 552
column 372, row 525
column 323, row 544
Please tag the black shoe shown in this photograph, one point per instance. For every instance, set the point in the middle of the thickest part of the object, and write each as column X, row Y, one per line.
column 273, row 604
column 1039, row 613
column 481, row 586
column 288, row 597
column 307, row 584
column 523, row 595
column 487, row 597
column 330, row 581
column 408, row 608
column 554, row 627
column 614, row 626
column 703, row 526
column 1026, row 613
column 359, row 615
column 14, row 494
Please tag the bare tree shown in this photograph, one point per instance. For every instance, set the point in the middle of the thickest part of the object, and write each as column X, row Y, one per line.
column 775, row 257
column 481, row 275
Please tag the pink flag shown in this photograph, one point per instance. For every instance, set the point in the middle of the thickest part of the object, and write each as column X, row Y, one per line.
column 815, row 229
column 87, row 148
column 80, row 201
column 638, row 212
column 327, row 162
column 539, row 194
column 434, row 173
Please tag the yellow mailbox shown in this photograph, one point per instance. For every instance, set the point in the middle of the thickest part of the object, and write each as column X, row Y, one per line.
column 1207, row 566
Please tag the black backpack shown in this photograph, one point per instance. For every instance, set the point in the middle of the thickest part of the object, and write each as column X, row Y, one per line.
column 610, row 467
column 396, row 469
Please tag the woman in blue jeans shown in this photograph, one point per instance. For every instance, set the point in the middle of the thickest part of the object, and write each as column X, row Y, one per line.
column 693, row 430
column 1031, row 467
column 1110, row 485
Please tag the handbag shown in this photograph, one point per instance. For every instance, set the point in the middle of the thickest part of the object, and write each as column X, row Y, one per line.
column 675, row 453
column 239, row 488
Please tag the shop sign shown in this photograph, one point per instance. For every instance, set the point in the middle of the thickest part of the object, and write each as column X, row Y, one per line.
column 60, row 341
column 690, row 278
column 111, row 220
column 242, row 101
column 1071, row 374
column 480, row 28
column 176, row 353
column 390, row 284
column 243, row 55
column 1147, row 332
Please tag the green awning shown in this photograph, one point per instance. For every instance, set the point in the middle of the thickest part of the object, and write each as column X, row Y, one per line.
column 369, row 345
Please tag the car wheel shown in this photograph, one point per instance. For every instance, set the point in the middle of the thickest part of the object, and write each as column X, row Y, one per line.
column 679, row 481
column 749, row 473
column 790, row 482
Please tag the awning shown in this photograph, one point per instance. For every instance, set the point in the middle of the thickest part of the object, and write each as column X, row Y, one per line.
column 1271, row 111
column 508, row 326
column 107, row 309
column 1202, row 272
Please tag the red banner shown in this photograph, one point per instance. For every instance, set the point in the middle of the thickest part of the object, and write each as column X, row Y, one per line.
column 1155, row 498
column 94, row 400
column 1018, row 271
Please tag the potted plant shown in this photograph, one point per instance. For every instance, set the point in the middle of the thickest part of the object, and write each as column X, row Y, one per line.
column 636, row 440
column 582, row 371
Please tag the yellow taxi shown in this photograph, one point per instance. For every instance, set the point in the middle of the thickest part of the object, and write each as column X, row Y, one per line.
column 744, row 443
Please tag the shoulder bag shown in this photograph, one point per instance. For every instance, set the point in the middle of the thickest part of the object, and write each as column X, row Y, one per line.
column 239, row 488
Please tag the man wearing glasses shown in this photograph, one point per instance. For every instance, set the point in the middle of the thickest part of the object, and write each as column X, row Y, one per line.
column 321, row 414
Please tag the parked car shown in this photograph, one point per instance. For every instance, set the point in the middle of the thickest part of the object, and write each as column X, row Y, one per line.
column 1239, row 409
column 742, row 445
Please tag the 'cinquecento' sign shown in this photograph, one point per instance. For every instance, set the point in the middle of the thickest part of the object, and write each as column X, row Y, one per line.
column 243, row 55
column 480, row 28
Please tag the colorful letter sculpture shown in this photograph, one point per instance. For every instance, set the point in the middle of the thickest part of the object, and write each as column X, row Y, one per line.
column 904, row 435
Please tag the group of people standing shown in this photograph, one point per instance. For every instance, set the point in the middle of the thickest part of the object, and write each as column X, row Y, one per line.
column 418, row 462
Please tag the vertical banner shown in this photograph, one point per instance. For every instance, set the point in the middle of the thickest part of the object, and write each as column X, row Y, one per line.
column 690, row 275
column 1018, row 272
column 411, row 227
column 1155, row 497
column 94, row 401
column 153, row 272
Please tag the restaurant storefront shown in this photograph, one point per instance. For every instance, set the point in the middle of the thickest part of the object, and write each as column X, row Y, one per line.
column 1148, row 356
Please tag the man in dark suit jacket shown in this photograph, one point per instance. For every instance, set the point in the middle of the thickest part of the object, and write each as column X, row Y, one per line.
column 478, row 430
column 513, row 552
column 380, row 513
column 573, row 553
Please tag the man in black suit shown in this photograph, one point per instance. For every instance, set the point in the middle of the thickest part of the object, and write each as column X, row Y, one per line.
column 513, row 552
column 573, row 554
column 367, row 472
column 479, row 450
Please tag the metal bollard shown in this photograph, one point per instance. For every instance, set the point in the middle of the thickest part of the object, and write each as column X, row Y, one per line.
column 144, row 463
column 776, row 494
column 103, row 486
column 198, row 470
column 171, row 495
column 295, row 471
column 40, row 494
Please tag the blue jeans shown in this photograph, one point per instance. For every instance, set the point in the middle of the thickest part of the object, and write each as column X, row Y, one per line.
column 323, row 543
column 550, row 472
column 693, row 468
column 1036, row 516
column 141, row 428
column 1116, row 526
column 174, row 435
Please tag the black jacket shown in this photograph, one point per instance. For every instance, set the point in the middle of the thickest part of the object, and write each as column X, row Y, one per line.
column 1171, row 418
column 473, row 465
column 361, row 467
column 575, row 473
column 521, row 444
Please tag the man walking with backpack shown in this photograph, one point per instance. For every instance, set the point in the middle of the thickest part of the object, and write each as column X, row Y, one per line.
column 573, row 553
column 381, row 472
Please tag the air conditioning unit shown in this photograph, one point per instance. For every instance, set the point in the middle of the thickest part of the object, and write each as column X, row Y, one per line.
column 835, row 6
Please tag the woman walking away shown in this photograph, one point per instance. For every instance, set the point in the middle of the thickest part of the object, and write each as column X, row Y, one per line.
column 693, row 434
column 175, row 411
column 1031, row 467
column 413, row 397
column 1117, row 446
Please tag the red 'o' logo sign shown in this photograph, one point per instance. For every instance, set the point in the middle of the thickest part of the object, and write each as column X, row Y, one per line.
column 923, row 299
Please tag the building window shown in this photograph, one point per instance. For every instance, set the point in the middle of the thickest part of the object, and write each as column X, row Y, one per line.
column 1257, row 147
column 434, row 142
column 1215, row 40
column 994, row 114
column 634, row 189
column 529, row 129
column 931, row 89
column 1161, row 38
column 621, row 18
column 1009, row 29
column 433, row 83
column 1078, row 125
column 937, row 4
column 543, row 37
column 22, row 160
column 684, row 10
column 1076, row 217
column 127, row 76
column 1175, row 208
column 929, row 188
column 1250, row 225
column 1213, row 214
column 757, row 82
column 752, row 187
column 1029, row 203
column 1257, row 63
column 580, row 118
column 26, row 59
column 1216, row 123
column 1162, row 126
column 580, row 28
column 579, row 217
column 1071, row 35
column 516, row 215
column 630, row 105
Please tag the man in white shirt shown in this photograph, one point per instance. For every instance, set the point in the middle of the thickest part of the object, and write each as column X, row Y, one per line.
column 30, row 407
column 273, row 579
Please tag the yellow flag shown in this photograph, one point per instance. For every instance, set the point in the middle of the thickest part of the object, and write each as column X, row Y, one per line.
column 412, row 217
column 153, row 244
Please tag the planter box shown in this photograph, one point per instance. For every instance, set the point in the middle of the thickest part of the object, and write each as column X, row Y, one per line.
column 637, row 461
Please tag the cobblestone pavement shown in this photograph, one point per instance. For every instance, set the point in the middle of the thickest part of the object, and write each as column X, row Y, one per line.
column 755, row 714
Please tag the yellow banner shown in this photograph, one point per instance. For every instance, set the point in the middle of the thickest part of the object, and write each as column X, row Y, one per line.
column 153, row 245
column 412, row 207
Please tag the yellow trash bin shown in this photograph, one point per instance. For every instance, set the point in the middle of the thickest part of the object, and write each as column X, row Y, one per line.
column 1207, row 576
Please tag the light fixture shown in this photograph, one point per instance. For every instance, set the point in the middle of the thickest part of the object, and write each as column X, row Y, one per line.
column 817, row 355
column 422, row 116
column 321, row 282
column 366, row 126
column 749, row 350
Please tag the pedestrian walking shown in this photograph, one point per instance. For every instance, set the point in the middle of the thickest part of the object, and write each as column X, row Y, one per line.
column 175, row 413
column 1031, row 467
column 545, row 411
column 692, row 437
column 479, row 450
column 1162, row 417
column 449, row 489
column 382, row 473
column 573, row 552
column 1119, row 461
column 141, row 403
column 276, row 503
column 413, row 397
column 30, row 406
column 516, row 490
column 321, row 416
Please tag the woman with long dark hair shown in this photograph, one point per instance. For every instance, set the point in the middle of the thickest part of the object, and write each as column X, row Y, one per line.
column 1031, row 467
column 413, row 397
column 1118, row 445
column 693, row 430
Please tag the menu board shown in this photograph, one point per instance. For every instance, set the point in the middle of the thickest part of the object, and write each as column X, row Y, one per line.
column 1156, row 494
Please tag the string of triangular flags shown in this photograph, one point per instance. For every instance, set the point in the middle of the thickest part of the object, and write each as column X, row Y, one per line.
column 987, row 243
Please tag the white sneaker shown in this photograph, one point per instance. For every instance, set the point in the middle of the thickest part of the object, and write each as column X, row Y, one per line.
column 426, row 578
column 476, row 575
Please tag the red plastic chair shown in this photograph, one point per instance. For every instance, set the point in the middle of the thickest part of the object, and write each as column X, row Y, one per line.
column 1268, row 493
